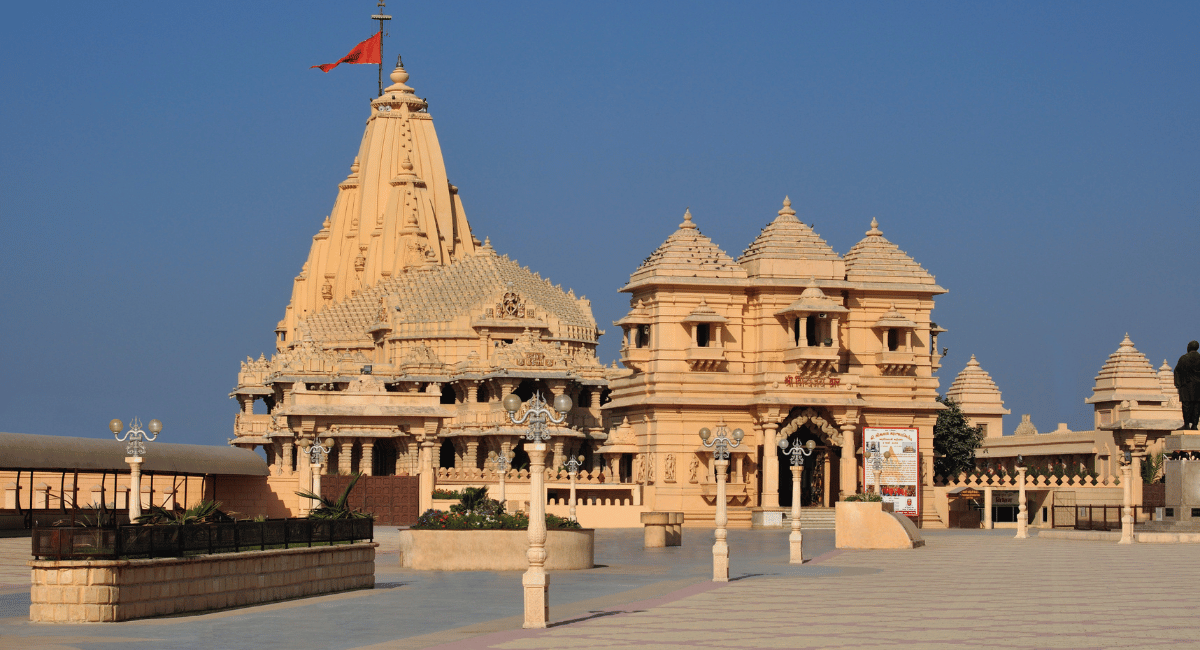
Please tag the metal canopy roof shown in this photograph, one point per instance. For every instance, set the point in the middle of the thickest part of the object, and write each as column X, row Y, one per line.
column 61, row 453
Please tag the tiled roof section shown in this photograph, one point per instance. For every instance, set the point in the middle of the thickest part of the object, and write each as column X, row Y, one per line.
column 875, row 259
column 688, row 253
column 1127, row 370
column 443, row 294
column 974, row 386
column 788, row 238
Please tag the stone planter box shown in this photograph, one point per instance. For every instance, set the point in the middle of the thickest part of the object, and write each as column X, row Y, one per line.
column 869, row 525
column 91, row 591
column 493, row 550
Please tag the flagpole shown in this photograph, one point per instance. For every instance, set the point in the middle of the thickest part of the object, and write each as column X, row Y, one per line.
column 381, row 17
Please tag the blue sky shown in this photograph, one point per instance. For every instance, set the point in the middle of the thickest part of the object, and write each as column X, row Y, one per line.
column 164, row 167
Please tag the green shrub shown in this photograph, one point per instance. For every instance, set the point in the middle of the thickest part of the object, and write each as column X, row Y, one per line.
column 439, row 493
column 869, row 496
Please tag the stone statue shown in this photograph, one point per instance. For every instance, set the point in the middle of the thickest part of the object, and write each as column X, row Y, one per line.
column 1187, row 380
column 694, row 470
column 639, row 469
column 669, row 469
column 649, row 464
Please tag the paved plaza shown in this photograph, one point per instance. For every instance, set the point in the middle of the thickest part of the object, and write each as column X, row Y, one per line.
column 963, row 589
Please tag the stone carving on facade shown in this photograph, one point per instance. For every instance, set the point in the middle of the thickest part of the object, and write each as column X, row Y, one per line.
column 669, row 469
column 649, row 462
column 694, row 470
column 366, row 384
column 639, row 469
column 831, row 434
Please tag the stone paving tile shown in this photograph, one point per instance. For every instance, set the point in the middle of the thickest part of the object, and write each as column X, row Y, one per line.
column 979, row 590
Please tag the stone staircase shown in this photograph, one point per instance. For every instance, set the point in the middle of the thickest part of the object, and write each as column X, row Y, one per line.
column 812, row 519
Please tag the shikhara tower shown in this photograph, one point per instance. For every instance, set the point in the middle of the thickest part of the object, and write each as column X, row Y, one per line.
column 404, row 331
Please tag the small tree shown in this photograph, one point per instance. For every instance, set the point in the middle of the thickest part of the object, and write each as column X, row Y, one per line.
column 334, row 508
column 954, row 440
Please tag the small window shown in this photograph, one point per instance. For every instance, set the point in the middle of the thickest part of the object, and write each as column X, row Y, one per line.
column 282, row 337
column 810, row 332
column 893, row 339
column 585, row 398
column 796, row 331
column 642, row 336
column 702, row 334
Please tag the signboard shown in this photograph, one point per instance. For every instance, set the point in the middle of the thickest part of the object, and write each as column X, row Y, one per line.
column 890, row 459
column 1005, row 497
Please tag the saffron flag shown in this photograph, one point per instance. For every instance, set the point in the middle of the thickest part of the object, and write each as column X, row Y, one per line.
column 367, row 51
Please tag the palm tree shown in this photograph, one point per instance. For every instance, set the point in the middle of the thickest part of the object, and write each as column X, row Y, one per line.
column 334, row 509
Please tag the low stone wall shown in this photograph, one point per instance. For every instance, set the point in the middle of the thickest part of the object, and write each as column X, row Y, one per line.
column 870, row 525
column 493, row 550
column 90, row 591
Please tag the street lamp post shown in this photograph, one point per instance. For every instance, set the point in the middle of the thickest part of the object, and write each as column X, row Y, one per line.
column 1127, row 489
column 316, row 458
column 573, row 469
column 1022, row 512
column 134, row 440
column 502, row 461
column 720, row 446
column 535, row 580
column 798, row 453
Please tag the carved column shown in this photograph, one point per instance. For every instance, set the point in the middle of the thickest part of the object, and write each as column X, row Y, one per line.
column 289, row 458
column 345, row 447
column 535, row 581
column 849, row 471
column 304, row 478
column 770, row 497
column 556, row 460
column 427, row 476
column 367, row 464
column 472, row 459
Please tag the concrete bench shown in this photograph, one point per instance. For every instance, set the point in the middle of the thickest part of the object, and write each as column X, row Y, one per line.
column 663, row 529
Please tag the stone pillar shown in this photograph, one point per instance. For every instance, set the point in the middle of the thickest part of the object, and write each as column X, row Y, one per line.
column 1022, row 512
column 289, row 466
column 135, row 481
column 472, row 459
column 833, row 331
column 1136, row 483
column 366, row 465
column 802, row 331
column 987, row 509
column 472, row 391
column 304, row 472
column 849, row 469
column 273, row 460
column 556, row 460
column 535, row 581
column 345, row 449
column 825, row 467
column 796, row 538
column 1127, row 509
column 770, row 493
column 720, row 545
column 427, row 476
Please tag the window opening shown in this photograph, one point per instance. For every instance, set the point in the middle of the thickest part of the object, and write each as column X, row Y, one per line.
column 893, row 339
column 642, row 336
column 810, row 332
column 702, row 334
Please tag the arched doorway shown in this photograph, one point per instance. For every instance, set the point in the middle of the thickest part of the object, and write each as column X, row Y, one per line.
column 819, row 479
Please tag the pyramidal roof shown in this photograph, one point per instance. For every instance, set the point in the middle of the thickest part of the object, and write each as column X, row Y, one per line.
column 789, row 238
column 688, row 253
column 975, row 391
column 443, row 293
column 1166, row 381
column 1127, row 374
column 875, row 259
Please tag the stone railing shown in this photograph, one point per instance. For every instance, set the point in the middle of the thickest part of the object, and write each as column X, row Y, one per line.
column 251, row 424
column 476, row 475
column 1009, row 482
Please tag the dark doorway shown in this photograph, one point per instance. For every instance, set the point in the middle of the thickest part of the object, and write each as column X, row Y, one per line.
column 811, row 487
column 383, row 460
column 625, row 468
column 446, row 457
column 521, row 458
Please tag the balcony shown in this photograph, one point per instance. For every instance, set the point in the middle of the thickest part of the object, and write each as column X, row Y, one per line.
column 895, row 363
column 813, row 360
column 705, row 359
column 635, row 358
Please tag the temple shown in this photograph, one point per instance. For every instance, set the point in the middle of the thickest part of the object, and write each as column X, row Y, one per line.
column 791, row 340
column 404, row 331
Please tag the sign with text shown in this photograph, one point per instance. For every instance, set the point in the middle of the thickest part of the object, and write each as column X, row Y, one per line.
column 890, row 461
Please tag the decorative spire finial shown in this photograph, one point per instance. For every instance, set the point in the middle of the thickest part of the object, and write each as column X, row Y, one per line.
column 687, row 220
column 407, row 164
column 874, row 231
column 787, row 210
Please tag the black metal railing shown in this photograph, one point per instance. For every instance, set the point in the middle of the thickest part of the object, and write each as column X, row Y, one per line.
column 64, row 543
column 1097, row 517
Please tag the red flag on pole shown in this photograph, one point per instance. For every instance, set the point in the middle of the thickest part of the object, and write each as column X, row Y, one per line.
column 367, row 51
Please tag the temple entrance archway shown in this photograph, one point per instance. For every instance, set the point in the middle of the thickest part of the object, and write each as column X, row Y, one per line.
column 819, row 480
